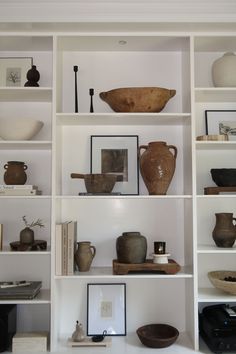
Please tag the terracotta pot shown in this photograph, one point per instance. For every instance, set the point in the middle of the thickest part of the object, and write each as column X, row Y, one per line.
column 84, row 255
column 131, row 247
column 157, row 166
column 15, row 172
column 224, row 233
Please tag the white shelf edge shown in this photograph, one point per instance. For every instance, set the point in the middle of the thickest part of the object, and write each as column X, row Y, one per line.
column 106, row 273
column 214, row 295
column 211, row 249
column 42, row 298
column 7, row 251
column 216, row 196
column 124, row 197
column 25, row 197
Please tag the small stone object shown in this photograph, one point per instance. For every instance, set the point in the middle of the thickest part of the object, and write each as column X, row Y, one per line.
column 78, row 335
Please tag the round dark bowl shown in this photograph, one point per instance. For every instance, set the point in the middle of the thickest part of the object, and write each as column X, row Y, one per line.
column 224, row 177
column 157, row 335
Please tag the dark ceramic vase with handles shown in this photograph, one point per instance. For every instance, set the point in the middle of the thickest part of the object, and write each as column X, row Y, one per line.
column 15, row 172
column 224, row 232
column 157, row 166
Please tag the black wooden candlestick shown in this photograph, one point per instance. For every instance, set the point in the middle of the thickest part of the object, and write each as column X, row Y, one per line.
column 91, row 92
column 76, row 90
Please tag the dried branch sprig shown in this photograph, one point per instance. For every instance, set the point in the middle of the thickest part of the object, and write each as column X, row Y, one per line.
column 38, row 222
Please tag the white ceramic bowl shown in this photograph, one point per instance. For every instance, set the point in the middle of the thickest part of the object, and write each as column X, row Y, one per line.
column 19, row 128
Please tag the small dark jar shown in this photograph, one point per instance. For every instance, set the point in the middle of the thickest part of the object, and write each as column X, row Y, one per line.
column 15, row 172
column 33, row 77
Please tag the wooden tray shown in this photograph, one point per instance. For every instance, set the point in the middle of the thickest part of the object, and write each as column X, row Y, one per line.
column 148, row 267
column 217, row 190
column 89, row 343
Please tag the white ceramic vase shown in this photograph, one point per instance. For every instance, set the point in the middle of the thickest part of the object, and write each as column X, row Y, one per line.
column 224, row 71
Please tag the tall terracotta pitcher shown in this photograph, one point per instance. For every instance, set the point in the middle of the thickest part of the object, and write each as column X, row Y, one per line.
column 224, row 232
column 157, row 166
column 84, row 255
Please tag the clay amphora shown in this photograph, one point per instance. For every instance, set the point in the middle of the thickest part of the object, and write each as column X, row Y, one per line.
column 224, row 233
column 157, row 166
column 15, row 172
column 131, row 247
column 84, row 255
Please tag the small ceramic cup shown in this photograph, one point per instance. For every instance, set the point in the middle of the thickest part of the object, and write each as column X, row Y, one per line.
column 159, row 247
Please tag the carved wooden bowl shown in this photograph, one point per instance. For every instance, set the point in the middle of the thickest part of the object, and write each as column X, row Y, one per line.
column 97, row 182
column 157, row 335
column 137, row 99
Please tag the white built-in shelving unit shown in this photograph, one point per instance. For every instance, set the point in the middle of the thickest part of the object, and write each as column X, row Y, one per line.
column 184, row 218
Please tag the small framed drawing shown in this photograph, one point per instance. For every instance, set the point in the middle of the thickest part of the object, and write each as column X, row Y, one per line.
column 221, row 122
column 117, row 154
column 106, row 309
column 13, row 71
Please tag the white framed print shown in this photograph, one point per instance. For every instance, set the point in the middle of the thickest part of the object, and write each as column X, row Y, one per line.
column 106, row 309
column 221, row 122
column 13, row 71
column 117, row 154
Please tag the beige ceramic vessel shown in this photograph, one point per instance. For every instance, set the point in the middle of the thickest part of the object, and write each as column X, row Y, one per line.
column 137, row 99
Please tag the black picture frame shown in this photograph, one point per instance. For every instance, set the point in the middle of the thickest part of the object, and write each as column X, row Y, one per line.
column 221, row 122
column 117, row 154
column 106, row 309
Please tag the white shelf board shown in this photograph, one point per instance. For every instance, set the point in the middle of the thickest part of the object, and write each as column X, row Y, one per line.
column 7, row 251
column 132, row 345
column 215, row 94
column 218, row 196
column 26, row 94
column 25, row 196
column 216, row 145
column 123, row 118
column 214, row 249
column 107, row 273
column 42, row 298
column 214, row 295
column 124, row 196
column 25, row 145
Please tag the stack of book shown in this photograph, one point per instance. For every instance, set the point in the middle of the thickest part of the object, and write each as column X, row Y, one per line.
column 19, row 189
column 19, row 290
column 66, row 238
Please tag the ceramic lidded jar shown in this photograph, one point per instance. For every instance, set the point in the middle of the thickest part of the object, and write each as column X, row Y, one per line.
column 224, row 71
column 131, row 247
column 157, row 166
column 15, row 172
column 224, row 232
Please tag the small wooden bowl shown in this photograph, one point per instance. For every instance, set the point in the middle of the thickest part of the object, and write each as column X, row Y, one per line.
column 217, row 279
column 157, row 335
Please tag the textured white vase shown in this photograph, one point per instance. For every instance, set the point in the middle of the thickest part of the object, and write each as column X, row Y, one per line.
column 224, row 71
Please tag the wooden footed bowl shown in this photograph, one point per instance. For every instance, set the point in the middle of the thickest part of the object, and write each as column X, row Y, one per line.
column 224, row 280
column 137, row 99
column 97, row 182
column 157, row 335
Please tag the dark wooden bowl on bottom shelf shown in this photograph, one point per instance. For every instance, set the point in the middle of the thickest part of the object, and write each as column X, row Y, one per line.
column 158, row 335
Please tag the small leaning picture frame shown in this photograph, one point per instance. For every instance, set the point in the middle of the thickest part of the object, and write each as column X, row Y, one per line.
column 221, row 122
column 13, row 71
column 106, row 309
column 116, row 154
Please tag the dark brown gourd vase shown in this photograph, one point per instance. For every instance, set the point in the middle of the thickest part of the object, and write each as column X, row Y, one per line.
column 131, row 247
column 224, row 232
column 157, row 166
column 15, row 172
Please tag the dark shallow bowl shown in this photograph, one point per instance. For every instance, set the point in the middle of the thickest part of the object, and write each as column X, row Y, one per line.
column 224, row 177
column 157, row 335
